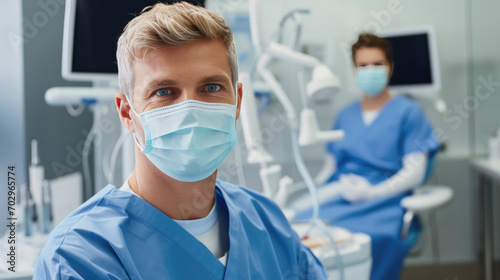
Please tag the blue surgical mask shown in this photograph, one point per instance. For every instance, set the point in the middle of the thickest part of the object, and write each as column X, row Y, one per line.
column 188, row 141
column 372, row 79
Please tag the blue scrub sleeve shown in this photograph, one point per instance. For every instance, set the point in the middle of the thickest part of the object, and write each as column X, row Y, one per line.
column 71, row 261
column 418, row 135
column 309, row 266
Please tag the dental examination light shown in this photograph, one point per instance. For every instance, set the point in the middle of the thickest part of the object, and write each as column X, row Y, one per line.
column 324, row 83
column 323, row 86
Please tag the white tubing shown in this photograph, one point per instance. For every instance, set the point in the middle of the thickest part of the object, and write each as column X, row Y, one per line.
column 253, row 12
column 110, row 173
column 85, row 153
column 315, row 221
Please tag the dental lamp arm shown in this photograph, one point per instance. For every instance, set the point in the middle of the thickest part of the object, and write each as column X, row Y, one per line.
column 250, row 124
column 275, row 86
column 411, row 175
column 280, row 51
column 297, row 20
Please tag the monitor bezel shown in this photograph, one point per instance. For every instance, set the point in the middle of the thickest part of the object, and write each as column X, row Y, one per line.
column 433, row 87
column 67, row 51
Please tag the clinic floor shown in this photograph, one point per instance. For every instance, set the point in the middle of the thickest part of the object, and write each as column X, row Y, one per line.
column 462, row 271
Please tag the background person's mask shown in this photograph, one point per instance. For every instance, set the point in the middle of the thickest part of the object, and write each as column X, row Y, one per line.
column 372, row 79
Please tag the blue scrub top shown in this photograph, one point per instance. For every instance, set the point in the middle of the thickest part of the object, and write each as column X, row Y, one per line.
column 376, row 151
column 117, row 235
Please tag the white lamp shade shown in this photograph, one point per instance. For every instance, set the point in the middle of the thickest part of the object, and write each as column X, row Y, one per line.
column 323, row 85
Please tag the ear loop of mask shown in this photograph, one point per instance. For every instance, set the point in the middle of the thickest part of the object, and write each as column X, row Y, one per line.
column 135, row 137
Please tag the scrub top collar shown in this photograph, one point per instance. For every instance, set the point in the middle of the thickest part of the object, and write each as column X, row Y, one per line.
column 381, row 111
column 237, row 258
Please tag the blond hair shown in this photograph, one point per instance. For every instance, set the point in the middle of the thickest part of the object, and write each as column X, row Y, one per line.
column 163, row 25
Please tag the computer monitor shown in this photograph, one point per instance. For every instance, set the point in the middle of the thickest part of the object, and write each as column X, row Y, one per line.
column 91, row 31
column 416, row 66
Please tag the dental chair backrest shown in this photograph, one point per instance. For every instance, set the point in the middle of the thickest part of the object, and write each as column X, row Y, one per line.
column 430, row 167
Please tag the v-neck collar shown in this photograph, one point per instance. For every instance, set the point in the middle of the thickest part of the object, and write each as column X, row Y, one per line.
column 381, row 112
column 237, row 260
column 145, row 212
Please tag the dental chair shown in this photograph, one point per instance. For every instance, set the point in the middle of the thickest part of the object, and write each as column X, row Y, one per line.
column 425, row 200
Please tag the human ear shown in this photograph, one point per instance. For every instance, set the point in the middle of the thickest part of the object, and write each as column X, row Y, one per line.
column 123, row 108
column 239, row 92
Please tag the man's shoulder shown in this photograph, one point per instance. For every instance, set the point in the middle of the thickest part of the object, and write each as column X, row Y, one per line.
column 87, row 218
column 83, row 233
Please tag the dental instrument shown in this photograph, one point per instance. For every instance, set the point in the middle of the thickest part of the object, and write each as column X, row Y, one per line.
column 37, row 173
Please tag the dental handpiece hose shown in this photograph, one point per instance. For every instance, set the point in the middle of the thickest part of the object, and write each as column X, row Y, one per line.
column 315, row 221
column 305, row 175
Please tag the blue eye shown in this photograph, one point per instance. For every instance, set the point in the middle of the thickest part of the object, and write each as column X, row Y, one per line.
column 213, row 88
column 162, row 92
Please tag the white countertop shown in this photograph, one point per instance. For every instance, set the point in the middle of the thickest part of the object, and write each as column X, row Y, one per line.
column 487, row 167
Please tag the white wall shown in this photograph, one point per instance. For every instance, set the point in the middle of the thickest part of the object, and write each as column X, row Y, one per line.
column 11, row 100
column 485, row 40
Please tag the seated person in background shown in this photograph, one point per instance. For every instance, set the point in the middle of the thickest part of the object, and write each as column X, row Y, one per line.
column 172, row 219
column 384, row 156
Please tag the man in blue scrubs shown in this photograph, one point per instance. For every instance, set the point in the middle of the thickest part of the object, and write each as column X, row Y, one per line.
column 172, row 219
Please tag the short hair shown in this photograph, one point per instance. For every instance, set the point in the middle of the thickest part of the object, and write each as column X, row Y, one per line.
column 368, row 40
column 170, row 25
